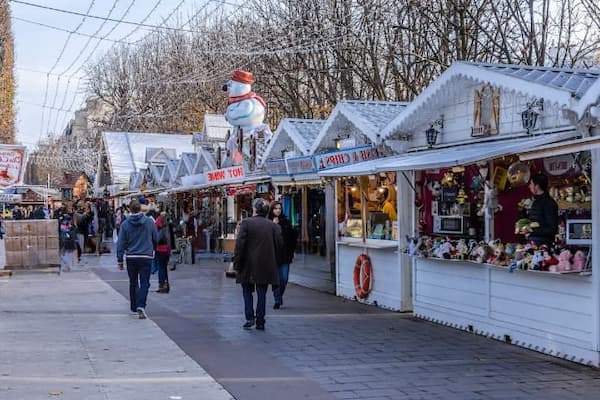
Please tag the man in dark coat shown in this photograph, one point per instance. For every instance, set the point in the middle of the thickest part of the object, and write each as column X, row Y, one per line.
column 543, row 210
column 258, row 253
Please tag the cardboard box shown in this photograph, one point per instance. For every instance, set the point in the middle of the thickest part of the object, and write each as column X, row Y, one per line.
column 51, row 227
column 52, row 243
column 26, row 243
column 14, row 258
column 52, row 257
column 41, row 242
column 12, row 243
column 33, row 258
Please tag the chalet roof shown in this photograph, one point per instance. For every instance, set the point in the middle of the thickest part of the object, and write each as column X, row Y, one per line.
column 293, row 133
column 154, row 154
column 216, row 127
column 126, row 151
column 360, row 117
column 572, row 90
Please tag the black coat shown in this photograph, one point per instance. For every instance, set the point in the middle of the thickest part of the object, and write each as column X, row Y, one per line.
column 289, row 239
column 258, row 251
column 544, row 211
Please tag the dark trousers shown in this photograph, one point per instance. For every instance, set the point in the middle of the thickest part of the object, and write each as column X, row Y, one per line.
column 261, row 300
column 163, row 272
column 138, row 270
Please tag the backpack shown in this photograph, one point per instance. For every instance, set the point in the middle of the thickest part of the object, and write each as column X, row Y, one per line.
column 67, row 235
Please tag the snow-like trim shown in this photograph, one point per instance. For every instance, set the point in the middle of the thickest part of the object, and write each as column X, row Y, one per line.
column 478, row 73
column 342, row 108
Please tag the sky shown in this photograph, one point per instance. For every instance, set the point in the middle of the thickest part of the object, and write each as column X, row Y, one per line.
column 49, row 62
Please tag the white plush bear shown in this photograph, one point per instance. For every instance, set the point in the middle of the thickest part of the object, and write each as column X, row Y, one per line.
column 245, row 108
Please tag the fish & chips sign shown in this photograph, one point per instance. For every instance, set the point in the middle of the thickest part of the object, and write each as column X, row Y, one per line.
column 345, row 157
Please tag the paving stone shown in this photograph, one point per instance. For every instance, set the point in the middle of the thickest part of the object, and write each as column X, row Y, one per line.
column 348, row 350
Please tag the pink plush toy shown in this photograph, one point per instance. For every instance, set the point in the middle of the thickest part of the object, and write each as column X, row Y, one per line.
column 564, row 261
column 578, row 261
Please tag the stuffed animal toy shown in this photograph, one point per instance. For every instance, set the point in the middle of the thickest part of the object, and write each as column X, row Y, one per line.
column 461, row 197
column 578, row 261
column 444, row 250
column 435, row 187
column 550, row 262
column 525, row 263
column 448, row 179
column 564, row 261
column 461, row 249
column 537, row 260
column 471, row 249
column 413, row 245
column 500, row 257
column 490, row 200
column 524, row 226
column 509, row 249
column 484, row 252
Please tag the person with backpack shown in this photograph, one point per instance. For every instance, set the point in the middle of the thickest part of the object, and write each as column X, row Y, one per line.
column 163, row 253
column 68, row 243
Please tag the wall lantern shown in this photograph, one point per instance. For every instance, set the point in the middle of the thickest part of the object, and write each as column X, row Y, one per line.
column 432, row 133
column 529, row 117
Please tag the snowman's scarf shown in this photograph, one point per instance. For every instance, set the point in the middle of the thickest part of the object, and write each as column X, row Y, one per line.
column 246, row 96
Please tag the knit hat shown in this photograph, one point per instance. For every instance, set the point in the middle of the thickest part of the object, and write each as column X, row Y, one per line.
column 242, row 77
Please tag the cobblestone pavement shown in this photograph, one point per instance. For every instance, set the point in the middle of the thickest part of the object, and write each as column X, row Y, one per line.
column 319, row 346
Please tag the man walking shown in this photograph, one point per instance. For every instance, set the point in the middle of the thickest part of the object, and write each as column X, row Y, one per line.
column 138, row 239
column 258, row 253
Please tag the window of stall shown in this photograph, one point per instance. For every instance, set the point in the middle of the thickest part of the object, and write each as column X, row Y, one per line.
column 457, row 206
column 367, row 207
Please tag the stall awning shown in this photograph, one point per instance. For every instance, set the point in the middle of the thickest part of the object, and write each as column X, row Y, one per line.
column 560, row 148
column 301, row 179
column 467, row 153
column 241, row 181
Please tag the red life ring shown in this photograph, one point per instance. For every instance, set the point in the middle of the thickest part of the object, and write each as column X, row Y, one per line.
column 362, row 276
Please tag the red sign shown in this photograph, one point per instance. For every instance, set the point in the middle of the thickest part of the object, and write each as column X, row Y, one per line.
column 243, row 189
column 345, row 157
column 225, row 174
column 12, row 165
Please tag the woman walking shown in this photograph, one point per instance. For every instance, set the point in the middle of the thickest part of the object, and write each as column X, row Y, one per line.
column 289, row 241
column 163, row 252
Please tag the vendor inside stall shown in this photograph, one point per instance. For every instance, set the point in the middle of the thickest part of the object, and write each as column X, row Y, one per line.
column 543, row 212
column 367, row 203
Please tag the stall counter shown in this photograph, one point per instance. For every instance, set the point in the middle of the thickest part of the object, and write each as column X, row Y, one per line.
column 546, row 312
column 391, row 273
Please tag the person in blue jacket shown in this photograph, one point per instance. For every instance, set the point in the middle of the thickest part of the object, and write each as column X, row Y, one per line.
column 137, row 241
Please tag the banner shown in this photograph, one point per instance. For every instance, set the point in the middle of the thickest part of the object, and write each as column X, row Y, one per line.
column 12, row 165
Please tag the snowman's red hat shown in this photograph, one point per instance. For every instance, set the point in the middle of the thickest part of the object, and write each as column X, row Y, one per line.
column 242, row 77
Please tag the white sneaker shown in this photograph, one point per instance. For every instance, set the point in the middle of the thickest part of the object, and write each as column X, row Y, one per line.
column 141, row 313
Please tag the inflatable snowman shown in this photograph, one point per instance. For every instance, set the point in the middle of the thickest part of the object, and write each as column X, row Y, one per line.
column 246, row 112
column 245, row 108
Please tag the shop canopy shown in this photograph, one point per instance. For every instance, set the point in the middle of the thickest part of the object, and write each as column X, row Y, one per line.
column 463, row 154
column 241, row 181
column 567, row 147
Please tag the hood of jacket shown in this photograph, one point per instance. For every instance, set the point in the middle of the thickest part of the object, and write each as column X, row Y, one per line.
column 136, row 219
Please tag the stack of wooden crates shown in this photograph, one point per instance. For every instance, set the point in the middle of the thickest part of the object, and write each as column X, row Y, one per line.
column 31, row 243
